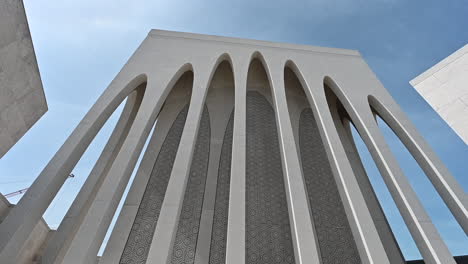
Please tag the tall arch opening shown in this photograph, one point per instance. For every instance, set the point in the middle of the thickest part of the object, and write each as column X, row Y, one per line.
column 202, row 220
column 62, row 202
column 450, row 230
column 115, row 128
column 395, row 221
column 153, row 174
column 220, row 103
column 268, row 231
column 203, row 216
column 344, row 126
column 57, row 245
column 334, row 237
column 124, row 196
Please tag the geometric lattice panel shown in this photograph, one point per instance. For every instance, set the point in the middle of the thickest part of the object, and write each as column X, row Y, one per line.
column 335, row 239
column 268, row 232
column 141, row 235
column 185, row 242
column 221, row 209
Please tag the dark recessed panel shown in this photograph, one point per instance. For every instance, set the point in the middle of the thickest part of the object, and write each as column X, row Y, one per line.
column 335, row 239
column 139, row 241
column 268, row 233
column 220, row 218
column 189, row 222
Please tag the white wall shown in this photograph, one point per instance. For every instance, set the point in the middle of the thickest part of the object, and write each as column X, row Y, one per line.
column 445, row 87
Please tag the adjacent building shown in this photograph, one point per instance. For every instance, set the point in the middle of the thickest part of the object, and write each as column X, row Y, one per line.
column 445, row 88
column 22, row 102
column 22, row 99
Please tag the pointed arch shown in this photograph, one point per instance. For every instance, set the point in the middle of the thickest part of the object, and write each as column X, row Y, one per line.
column 409, row 205
column 194, row 232
column 60, row 240
column 151, row 180
column 46, row 186
column 192, row 184
column 326, row 208
column 266, row 204
column 414, row 161
column 118, row 174
column 344, row 116
column 441, row 178
column 211, row 246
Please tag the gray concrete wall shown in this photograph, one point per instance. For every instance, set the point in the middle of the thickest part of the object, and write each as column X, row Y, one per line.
column 33, row 246
column 22, row 99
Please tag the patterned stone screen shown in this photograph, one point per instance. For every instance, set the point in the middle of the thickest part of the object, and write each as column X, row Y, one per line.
column 139, row 241
column 268, row 233
column 335, row 239
column 220, row 218
column 189, row 222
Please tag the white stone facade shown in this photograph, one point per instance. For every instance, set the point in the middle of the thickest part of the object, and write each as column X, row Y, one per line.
column 445, row 88
column 254, row 128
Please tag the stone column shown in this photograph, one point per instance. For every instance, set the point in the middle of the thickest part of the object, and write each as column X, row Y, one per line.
column 428, row 240
column 364, row 231
column 383, row 228
column 118, row 239
column 164, row 234
column 444, row 182
column 85, row 245
column 220, row 103
column 60, row 240
column 20, row 222
column 235, row 244
column 304, row 238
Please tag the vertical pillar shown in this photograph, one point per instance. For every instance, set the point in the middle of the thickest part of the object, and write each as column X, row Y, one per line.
column 206, row 219
column 118, row 239
column 444, row 182
column 303, row 234
column 235, row 244
column 60, row 240
column 220, row 103
column 20, row 222
column 166, row 228
column 364, row 231
column 85, row 245
column 380, row 221
column 428, row 240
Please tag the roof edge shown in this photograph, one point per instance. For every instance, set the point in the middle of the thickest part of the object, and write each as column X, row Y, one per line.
column 242, row 41
column 441, row 64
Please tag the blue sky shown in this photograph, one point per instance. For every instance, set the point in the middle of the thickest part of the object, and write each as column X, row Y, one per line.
column 81, row 45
